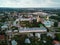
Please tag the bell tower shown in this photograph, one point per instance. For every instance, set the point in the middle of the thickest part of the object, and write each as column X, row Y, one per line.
column 38, row 19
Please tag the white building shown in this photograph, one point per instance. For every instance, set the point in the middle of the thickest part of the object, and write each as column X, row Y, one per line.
column 47, row 23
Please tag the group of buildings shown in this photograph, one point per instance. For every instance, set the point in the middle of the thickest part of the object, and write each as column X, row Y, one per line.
column 29, row 17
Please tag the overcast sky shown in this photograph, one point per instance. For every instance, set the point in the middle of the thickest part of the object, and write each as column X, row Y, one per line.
column 29, row 3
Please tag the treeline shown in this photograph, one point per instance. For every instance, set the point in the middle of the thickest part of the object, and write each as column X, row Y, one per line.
column 55, row 17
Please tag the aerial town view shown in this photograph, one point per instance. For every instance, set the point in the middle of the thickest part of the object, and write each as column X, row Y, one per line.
column 30, row 22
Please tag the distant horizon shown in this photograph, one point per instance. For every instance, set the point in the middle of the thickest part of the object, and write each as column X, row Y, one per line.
column 29, row 7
